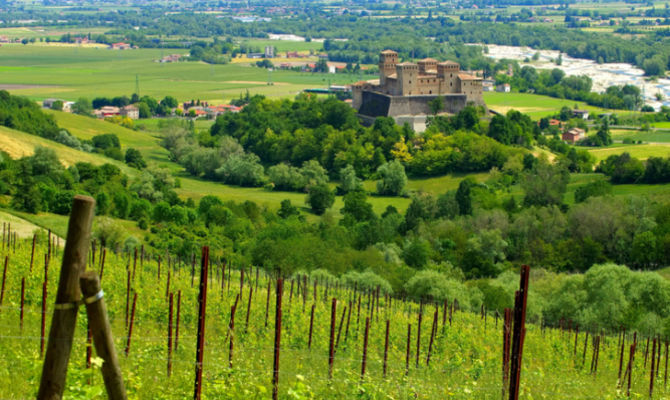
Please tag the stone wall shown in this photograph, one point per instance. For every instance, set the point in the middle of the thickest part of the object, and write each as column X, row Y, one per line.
column 380, row 105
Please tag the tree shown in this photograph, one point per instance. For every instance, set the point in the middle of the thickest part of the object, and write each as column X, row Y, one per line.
column 134, row 158
column 144, row 110
column 603, row 135
column 169, row 102
column 436, row 105
column 287, row 209
column 356, row 207
column 393, row 179
column 545, row 185
column 57, row 105
column 82, row 106
column 320, row 198
column 464, row 196
column 349, row 182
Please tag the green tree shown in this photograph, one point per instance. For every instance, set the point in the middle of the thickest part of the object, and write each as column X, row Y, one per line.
column 436, row 105
column 57, row 105
column 464, row 196
column 545, row 185
column 134, row 158
column 82, row 106
column 320, row 198
column 392, row 179
column 349, row 182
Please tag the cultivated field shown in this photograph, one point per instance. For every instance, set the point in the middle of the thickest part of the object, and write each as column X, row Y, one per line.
column 73, row 72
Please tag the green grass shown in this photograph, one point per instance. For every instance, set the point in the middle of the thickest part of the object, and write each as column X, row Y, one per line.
column 537, row 106
column 641, row 151
column 147, row 142
column 72, row 72
column 654, row 136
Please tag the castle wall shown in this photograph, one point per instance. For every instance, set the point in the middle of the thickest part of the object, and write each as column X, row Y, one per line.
column 380, row 105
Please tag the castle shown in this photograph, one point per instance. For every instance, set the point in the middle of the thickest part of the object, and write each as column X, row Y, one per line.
column 404, row 90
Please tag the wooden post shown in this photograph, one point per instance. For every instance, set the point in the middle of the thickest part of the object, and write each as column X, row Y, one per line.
column 202, row 309
column 365, row 347
column 4, row 279
column 251, row 292
column 130, row 326
column 432, row 337
column 102, row 334
column 409, row 338
column 346, row 331
column 23, row 296
column 311, row 327
column 64, row 317
column 339, row 329
column 102, row 262
column 386, row 347
column 519, row 333
column 331, row 346
column 169, row 336
column 89, row 345
column 278, row 316
column 418, row 338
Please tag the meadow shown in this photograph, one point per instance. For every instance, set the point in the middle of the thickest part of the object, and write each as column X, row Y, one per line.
column 464, row 359
column 73, row 72
column 536, row 106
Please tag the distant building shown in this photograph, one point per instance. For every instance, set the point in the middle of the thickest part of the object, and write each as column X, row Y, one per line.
column 107, row 111
column 269, row 52
column 488, row 85
column 573, row 135
column 583, row 114
column 120, row 46
column 131, row 112
column 49, row 103
column 170, row 58
column 255, row 55
column 504, row 88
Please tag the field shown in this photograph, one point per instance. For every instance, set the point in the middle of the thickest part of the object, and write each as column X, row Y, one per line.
column 464, row 356
column 536, row 106
column 659, row 136
column 73, row 72
column 641, row 151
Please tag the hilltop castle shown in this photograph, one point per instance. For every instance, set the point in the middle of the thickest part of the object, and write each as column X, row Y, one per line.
column 404, row 90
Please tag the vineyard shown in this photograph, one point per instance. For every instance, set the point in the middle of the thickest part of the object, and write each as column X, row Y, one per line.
column 337, row 341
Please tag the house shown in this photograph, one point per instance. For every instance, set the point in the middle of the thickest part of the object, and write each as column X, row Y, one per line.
column 554, row 122
column 292, row 54
column 504, row 88
column 583, row 114
column 48, row 103
column 131, row 112
column 573, row 135
column 67, row 106
column 120, row 46
column 488, row 85
column 107, row 111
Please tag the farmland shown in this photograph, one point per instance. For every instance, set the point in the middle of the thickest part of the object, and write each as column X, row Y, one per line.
column 464, row 359
column 73, row 72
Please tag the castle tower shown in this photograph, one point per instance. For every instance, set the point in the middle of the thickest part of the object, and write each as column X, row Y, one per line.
column 387, row 62
column 448, row 73
column 427, row 65
column 408, row 75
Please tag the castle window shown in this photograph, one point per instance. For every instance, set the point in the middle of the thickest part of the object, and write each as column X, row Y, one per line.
column 430, row 92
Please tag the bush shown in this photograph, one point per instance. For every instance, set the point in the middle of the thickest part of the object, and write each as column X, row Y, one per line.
column 431, row 285
column 367, row 280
